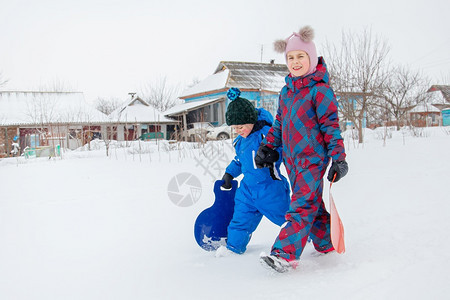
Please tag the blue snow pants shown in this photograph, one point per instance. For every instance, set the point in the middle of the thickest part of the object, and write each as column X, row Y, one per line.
column 252, row 202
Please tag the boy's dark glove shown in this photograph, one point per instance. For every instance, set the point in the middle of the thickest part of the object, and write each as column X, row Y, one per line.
column 265, row 157
column 227, row 178
column 340, row 168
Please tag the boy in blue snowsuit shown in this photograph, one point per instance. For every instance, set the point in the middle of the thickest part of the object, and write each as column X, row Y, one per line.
column 262, row 192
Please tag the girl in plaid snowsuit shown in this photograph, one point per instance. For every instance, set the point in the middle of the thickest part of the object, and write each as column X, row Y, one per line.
column 307, row 129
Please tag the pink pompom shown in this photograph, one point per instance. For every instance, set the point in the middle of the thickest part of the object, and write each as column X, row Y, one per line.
column 279, row 46
column 306, row 33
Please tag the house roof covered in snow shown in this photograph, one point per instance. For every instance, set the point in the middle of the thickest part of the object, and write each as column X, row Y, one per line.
column 243, row 75
column 35, row 107
column 191, row 105
column 137, row 110
column 424, row 108
column 214, row 82
column 442, row 92
column 265, row 76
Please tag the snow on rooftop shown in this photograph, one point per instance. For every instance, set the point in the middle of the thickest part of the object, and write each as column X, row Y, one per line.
column 243, row 75
column 27, row 107
column 139, row 111
column 252, row 75
column 424, row 108
column 211, row 83
column 437, row 97
column 190, row 105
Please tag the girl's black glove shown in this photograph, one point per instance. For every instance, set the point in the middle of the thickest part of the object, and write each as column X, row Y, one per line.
column 227, row 178
column 265, row 157
column 340, row 168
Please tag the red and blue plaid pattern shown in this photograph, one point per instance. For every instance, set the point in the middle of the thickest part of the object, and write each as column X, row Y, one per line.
column 307, row 123
column 306, row 216
column 307, row 128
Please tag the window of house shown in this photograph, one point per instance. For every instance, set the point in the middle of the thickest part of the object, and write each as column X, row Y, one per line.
column 144, row 128
column 155, row 128
column 96, row 135
column 74, row 134
column 215, row 114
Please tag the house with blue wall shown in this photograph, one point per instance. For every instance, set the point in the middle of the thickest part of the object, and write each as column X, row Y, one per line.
column 439, row 97
column 435, row 110
column 350, row 99
column 206, row 101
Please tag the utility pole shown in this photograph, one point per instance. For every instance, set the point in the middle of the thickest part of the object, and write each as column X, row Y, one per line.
column 262, row 50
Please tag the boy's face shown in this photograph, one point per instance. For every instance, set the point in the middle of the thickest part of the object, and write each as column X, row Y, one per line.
column 243, row 130
column 297, row 62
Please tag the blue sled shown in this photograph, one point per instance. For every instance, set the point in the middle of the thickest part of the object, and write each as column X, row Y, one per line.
column 210, row 229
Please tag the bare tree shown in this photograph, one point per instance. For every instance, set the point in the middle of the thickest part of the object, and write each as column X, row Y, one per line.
column 160, row 94
column 376, row 115
column 444, row 79
column 43, row 106
column 404, row 90
column 358, row 68
column 107, row 106
column 111, row 131
column 42, row 109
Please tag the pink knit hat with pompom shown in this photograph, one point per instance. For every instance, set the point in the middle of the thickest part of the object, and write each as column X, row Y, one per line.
column 300, row 41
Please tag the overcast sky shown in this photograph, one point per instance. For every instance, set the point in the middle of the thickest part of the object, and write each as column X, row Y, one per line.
column 110, row 48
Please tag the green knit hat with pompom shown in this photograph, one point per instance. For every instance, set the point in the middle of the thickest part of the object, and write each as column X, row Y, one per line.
column 240, row 110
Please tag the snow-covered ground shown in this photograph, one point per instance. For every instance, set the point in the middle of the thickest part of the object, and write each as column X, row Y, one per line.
column 89, row 226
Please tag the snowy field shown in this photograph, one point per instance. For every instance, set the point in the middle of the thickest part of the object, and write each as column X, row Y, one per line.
column 89, row 226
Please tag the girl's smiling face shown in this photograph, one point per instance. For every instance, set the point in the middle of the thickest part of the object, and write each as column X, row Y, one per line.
column 297, row 62
column 243, row 130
